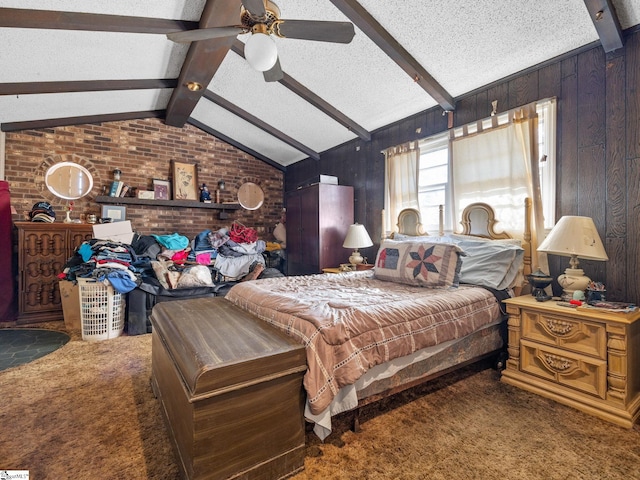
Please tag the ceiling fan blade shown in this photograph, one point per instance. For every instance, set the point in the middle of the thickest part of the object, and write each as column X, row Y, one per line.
column 275, row 73
column 203, row 34
column 321, row 31
column 255, row 7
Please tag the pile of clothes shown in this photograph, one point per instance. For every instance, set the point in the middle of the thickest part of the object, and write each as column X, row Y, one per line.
column 42, row 212
column 174, row 260
column 234, row 257
column 106, row 261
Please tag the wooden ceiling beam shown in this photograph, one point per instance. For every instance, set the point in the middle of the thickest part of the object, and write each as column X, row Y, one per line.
column 310, row 97
column 203, row 60
column 86, row 119
column 48, row 19
column 605, row 19
column 246, row 116
column 31, row 88
column 223, row 138
column 372, row 29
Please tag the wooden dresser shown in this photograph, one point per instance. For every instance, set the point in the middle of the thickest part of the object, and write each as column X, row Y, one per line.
column 43, row 250
column 587, row 359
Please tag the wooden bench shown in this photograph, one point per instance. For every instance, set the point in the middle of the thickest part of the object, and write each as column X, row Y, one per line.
column 230, row 386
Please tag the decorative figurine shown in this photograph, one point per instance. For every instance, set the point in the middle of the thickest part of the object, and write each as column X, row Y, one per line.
column 69, row 209
column 539, row 281
column 205, row 196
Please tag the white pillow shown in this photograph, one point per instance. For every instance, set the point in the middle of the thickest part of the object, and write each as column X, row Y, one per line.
column 494, row 266
column 471, row 238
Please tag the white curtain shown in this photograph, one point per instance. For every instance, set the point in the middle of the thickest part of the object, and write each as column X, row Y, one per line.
column 401, row 184
column 489, row 167
column 499, row 166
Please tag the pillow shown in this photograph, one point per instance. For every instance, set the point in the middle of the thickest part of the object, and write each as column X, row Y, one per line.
column 456, row 237
column 494, row 263
column 433, row 265
column 400, row 237
column 490, row 263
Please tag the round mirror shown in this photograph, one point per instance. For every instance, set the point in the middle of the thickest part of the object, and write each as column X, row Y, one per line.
column 68, row 180
column 250, row 196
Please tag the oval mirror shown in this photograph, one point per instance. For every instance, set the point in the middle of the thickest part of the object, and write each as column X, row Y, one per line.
column 68, row 180
column 250, row 196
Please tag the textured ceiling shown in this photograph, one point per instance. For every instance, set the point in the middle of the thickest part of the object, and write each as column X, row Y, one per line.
column 463, row 44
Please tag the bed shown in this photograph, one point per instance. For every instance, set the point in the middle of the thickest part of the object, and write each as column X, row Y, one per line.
column 420, row 312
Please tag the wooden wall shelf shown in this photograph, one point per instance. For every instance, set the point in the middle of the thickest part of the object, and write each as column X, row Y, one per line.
column 166, row 203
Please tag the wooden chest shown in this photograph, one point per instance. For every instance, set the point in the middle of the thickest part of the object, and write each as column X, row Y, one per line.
column 230, row 386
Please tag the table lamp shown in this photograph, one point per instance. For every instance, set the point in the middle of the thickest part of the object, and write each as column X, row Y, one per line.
column 575, row 237
column 357, row 237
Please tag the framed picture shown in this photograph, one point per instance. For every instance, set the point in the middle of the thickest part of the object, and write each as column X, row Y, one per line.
column 161, row 189
column 114, row 212
column 185, row 181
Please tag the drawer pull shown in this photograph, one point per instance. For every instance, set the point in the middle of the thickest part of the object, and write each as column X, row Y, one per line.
column 557, row 363
column 559, row 327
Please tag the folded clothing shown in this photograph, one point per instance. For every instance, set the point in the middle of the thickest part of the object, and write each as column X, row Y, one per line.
column 121, row 281
column 42, row 208
column 43, row 217
column 174, row 241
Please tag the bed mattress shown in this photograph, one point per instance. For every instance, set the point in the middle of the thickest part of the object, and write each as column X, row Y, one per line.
column 351, row 322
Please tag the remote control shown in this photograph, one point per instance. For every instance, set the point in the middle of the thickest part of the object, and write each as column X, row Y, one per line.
column 566, row 304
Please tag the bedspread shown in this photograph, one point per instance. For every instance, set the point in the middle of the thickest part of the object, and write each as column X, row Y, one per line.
column 350, row 322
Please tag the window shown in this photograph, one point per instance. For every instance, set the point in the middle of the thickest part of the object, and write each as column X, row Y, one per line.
column 434, row 169
column 433, row 179
column 547, row 166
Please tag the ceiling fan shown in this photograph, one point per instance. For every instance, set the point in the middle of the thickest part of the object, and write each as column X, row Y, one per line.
column 261, row 18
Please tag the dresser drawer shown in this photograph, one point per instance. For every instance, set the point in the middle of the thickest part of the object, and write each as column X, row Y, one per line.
column 581, row 372
column 579, row 336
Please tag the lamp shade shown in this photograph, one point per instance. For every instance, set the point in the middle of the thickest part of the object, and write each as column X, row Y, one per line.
column 357, row 237
column 261, row 52
column 575, row 236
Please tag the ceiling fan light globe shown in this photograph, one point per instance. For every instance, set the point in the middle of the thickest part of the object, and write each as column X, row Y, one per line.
column 261, row 52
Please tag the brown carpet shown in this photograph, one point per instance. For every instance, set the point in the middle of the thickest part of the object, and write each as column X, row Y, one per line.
column 86, row 411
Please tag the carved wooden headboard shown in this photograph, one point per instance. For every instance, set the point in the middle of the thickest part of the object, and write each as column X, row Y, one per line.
column 410, row 222
column 478, row 220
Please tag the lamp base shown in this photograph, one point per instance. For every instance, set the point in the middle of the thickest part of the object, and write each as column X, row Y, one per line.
column 572, row 280
column 356, row 258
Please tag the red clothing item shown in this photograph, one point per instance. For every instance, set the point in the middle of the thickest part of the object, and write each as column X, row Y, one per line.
column 180, row 257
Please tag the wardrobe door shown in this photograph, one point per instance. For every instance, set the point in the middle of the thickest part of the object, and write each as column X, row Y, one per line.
column 318, row 217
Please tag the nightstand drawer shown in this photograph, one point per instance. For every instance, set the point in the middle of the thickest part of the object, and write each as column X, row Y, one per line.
column 579, row 336
column 580, row 372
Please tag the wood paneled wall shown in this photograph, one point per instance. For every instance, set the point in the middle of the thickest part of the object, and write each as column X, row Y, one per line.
column 598, row 152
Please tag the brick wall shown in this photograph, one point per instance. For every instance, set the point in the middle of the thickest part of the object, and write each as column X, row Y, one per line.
column 142, row 150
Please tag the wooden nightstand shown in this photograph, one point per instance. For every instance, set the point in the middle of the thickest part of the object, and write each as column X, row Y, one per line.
column 587, row 359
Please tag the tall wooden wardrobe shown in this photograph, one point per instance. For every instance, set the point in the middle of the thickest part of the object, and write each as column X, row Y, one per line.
column 318, row 217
